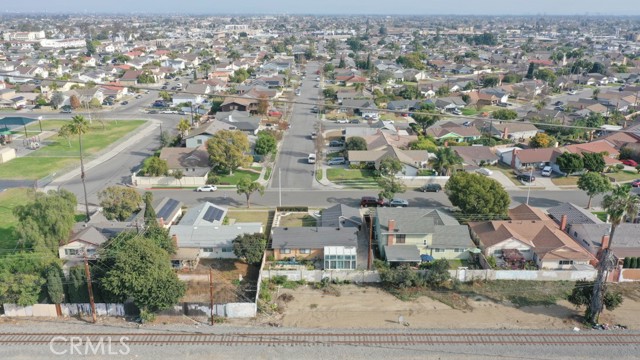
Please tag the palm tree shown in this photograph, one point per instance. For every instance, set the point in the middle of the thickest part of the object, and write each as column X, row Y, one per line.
column 79, row 126
column 183, row 127
column 620, row 205
column 446, row 159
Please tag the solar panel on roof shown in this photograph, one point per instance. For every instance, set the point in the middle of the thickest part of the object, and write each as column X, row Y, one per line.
column 213, row 214
column 167, row 209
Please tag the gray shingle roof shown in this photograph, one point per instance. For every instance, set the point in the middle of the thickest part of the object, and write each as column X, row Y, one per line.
column 341, row 216
column 401, row 253
column 575, row 214
column 312, row 237
column 450, row 236
column 413, row 220
column 195, row 216
column 211, row 236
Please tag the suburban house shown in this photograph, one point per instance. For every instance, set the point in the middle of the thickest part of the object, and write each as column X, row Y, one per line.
column 202, row 228
column 341, row 215
column 412, row 160
column 192, row 162
column 242, row 121
column 85, row 242
column 474, row 156
column 408, row 234
column 237, row 103
column 333, row 247
column 168, row 211
column 199, row 136
column 454, row 132
column 518, row 131
column 529, row 158
column 362, row 107
column 598, row 146
column 530, row 236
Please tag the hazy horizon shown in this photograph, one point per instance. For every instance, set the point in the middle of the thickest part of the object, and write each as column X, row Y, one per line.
column 330, row 7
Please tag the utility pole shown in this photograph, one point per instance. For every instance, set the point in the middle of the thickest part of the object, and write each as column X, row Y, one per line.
column 82, row 177
column 370, row 236
column 529, row 188
column 88, row 275
column 211, row 292
column 279, row 187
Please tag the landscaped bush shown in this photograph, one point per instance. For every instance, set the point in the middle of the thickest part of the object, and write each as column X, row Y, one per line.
column 627, row 262
column 292, row 209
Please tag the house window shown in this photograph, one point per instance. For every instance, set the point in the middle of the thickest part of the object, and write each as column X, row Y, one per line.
column 458, row 250
column 285, row 251
column 401, row 238
column 207, row 249
column 91, row 251
column 199, row 141
column 305, row 251
column 424, row 242
column 438, row 250
column 226, row 249
column 71, row 252
column 566, row 262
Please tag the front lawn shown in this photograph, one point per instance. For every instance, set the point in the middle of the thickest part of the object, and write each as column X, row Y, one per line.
column 469, row 111
column 226, row 179
column 602, row 215
column 58, row 153
column 625, row 175
column 564, row 180
column 240, row 216
column 349, row 174
column 9, row 200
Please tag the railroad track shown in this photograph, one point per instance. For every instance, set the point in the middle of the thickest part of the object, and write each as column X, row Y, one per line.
column 328, row 339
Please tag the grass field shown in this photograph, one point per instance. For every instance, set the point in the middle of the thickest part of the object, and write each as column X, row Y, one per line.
column 564, row 180
column 353, row 178
column 60, row 153
column 625, row 175
column 240, row 216
column 297, row 220
column 226, row 179
column 9, row 199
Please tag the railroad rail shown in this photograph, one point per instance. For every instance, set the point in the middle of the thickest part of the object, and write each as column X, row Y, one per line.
column 327, row 339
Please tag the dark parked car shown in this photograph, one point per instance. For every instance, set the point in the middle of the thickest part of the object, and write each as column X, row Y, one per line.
column 431, row 188
column 370, row 201
column 354, row 121
column 526, row 177
column 336, row 143
column 629, row 162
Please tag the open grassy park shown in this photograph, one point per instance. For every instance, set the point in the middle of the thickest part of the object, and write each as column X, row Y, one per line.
column 59, row 153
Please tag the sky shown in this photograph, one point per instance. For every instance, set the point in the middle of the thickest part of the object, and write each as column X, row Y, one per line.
column 322, row 7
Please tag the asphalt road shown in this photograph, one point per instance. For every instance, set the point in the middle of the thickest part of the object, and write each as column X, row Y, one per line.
column 325, row 198
column 292, row 170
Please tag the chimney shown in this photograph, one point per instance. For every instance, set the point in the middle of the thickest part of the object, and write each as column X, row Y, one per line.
column 174, row 240
column 162, row 222
column 391, row 238
column 563, row 222
column 513, row 158
column 605, row 242
column 505, row 133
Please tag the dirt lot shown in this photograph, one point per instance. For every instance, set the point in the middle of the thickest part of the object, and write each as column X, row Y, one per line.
column 370, row 307
column 226, row 284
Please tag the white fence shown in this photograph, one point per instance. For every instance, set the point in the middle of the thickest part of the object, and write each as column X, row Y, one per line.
column 151, row 181
column 414, row 181
column 230, row 310
column 49, row 310
column 318, row 275
column 530, row 275
column 629, row 275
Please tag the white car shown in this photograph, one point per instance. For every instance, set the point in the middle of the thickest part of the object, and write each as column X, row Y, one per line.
column 342, row 121
column 209, row 188
column 484, row 171
column 546, row 171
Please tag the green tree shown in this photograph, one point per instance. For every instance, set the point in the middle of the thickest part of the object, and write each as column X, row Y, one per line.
column 164, row 95
column 593, row 184
column 79, row 126
column 55, row 290
column 443, row 91
column 154, row 166
column 178, row 175
column 228, row 150
column 476, row 195
column 77, row 291
column 504, row 114
column 328, row 67
column 146, row 78
column 542, row 140
column 160, row 236
column 490, row 81
column 250, row 247
column 390, row 186
column 135, row 267
column 446, row 159
column 329, row 93
column 247, row 187
column 46, row 222
column 569, row 163
column 265, row 143
column 438, row 274
column 119, row 202
column 619, row 205
column 57, row 99
column 594, row 161
column 423, row 143
column 21, row 280
column 149, row 212
column 183, row 127
column 582, row 295
column 390, row 166
column 356, row 143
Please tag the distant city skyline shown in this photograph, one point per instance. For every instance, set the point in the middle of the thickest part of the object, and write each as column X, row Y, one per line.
column 330, row 7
